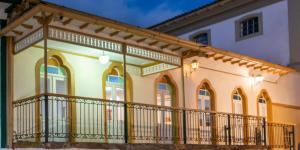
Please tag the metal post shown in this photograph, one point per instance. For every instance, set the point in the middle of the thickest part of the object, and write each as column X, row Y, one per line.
column 3, row 63
column 183, row 99
column 125, row 95
column 45, row 34
column 229, row 129
column 265, row 131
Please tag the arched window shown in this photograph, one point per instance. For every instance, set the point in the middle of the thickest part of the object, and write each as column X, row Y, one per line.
column 164, row 97
column 264, row 107
column 205, row 102
column 114, row 85
column 57, row 77
column 205, row 97
column 239, row 102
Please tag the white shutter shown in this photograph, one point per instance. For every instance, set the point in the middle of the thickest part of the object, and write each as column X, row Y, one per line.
column 61, row 86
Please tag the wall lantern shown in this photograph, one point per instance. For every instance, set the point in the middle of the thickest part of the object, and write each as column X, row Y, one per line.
column 257, row 79
column 104, row 59
column 194, row 65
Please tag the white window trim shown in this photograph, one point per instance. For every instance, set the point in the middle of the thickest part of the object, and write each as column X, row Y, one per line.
column 208, row 31
column 238, row 27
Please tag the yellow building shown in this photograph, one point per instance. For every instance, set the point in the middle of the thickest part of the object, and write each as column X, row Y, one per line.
column 111, row 84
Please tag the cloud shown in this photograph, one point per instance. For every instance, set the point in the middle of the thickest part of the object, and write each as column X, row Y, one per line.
column 121, row 11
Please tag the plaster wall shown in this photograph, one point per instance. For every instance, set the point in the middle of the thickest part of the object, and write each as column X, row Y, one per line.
column 272, row 45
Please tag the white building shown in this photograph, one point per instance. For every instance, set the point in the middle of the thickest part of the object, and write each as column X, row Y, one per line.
column 265, row 29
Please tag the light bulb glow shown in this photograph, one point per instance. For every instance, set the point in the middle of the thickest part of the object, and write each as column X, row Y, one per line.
column 194, row 65
column 104, row 59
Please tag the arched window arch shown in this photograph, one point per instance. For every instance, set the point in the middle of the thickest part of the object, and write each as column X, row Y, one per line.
column 60, row 75
column 205, row 96
column 166, row 90
column 113, row 83
column 239, row 102
column 264, row 105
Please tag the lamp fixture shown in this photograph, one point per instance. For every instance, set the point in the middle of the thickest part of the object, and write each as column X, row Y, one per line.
column 103, row 59
column 194, row 65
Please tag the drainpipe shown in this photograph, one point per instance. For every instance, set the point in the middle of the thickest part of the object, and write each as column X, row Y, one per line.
column 3, row 127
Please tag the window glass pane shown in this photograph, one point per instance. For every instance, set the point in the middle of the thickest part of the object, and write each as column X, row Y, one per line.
column 202, row 38
column 249, row 26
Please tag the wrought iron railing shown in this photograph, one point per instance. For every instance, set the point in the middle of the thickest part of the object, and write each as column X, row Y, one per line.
column 61, row 118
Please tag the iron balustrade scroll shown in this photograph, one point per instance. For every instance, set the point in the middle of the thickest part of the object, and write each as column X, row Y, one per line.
column 81, row 119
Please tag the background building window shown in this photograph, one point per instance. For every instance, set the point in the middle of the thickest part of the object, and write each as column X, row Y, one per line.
column 202, row 37
column 249, row 26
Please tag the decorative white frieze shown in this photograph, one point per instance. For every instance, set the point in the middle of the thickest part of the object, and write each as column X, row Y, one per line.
column 29, row 40
column 157, row 68
column 82, row 39
column 154, row 55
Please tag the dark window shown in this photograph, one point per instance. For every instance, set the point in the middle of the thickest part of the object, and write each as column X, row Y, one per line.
column 249, row 26
column 201, row 38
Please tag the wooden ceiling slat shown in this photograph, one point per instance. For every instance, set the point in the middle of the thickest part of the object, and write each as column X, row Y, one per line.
column 128, row 36
column 243, row 63
column 27, row 26
column 218, row 58
column 235, row 62
column 84, row 26
column 141, row 40
column 176, row 49
column 17, row 32
column 153, row 43
column 165, row 46
column 257, row 67
column 66, row 22
column 211, row 55
column 99, row 29
column 250, row 65
column 114, row 33
column 226, row 60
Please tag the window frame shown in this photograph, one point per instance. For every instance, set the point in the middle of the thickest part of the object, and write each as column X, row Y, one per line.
column 244, row 18
column 208, row 32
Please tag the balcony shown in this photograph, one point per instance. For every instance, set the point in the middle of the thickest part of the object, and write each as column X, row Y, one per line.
column 59, row 119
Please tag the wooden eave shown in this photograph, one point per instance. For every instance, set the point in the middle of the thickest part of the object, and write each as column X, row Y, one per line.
column 173, row 44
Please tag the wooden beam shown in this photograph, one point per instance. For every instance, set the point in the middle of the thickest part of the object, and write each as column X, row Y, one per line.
column 165, row 46
column 83, row 26
column 251, row 65
column 27, row 26
column 176, row 49
column 99, row 29
column 141, row 40
column 128, row 36
column 17, row 32
column 153, row 43
column 114, row 33
column 263, row 69
column 218, row 58
column 211, row 55
column 226, row 60
column 257, row 67
column 66, row 22
column 244, row 63
column 235, row 62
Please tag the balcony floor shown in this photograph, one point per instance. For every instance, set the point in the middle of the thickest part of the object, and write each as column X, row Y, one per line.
column 132, row 146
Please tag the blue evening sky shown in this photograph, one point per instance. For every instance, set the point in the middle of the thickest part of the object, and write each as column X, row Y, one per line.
column 142, row 13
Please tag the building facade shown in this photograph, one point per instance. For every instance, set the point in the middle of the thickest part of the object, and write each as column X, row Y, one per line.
column 111, row 83
column 261, row 29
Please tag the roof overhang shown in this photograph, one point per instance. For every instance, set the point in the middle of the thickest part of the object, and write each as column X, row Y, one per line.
column 26, row 28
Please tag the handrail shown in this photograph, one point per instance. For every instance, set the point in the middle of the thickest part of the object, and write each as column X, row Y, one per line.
column 130, row 103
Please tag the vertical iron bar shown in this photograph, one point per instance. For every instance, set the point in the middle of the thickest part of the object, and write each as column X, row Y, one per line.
column 124, row 49
column 265, row 131
column 293, row 139
column 229, row 129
